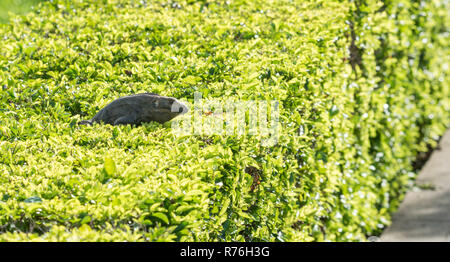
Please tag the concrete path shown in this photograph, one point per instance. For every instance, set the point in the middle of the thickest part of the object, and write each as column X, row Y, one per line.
column 424, row 214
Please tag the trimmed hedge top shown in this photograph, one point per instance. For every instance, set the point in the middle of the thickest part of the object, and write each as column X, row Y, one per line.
column 362, row 87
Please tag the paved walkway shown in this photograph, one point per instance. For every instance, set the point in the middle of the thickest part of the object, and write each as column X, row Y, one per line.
column 424, row 214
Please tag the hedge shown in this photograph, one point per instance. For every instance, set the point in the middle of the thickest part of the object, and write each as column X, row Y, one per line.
column 362, row 87
column 15, row 7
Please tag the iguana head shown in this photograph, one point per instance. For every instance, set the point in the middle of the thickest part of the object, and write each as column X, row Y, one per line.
column 163, row 108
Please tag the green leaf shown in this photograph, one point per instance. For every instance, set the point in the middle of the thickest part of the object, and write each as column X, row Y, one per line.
column 162, row 217
column 86, row 220
column 109, row 166
column 191, row 80
column 224, row 207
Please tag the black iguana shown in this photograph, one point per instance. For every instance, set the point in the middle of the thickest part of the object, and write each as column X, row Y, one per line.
column 137, row 109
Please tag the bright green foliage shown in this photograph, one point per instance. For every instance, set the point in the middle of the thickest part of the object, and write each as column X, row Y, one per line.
column 15, row 7
column 362, row 85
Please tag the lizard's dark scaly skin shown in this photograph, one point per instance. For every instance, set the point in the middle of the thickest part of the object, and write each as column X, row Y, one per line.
column 138, row 109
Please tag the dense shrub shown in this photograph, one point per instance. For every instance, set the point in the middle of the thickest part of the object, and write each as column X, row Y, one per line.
column 15, row 7
column 362, row 88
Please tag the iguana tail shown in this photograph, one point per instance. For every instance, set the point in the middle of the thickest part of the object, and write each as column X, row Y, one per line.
column 85, row 122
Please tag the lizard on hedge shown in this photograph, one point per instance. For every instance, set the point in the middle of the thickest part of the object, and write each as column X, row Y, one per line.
column 137, row 109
